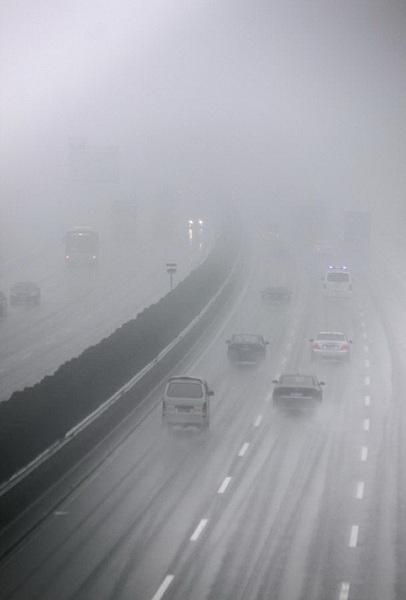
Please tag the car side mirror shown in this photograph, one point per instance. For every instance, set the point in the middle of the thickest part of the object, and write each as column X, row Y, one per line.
column 321, row 383
column 267, row 343
column 211, row 393
column 311, row 340
column 351, row 342
column 275, row 381
column 228, row 341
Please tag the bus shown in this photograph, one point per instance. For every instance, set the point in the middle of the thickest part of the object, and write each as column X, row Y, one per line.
column 82, row 245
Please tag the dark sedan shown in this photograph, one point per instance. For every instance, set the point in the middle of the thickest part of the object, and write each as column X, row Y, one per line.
column 25, row 292
column 297, row 391
column 247, row 348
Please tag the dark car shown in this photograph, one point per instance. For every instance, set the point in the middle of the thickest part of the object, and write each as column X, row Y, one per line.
column 3, row 305
column 246, row 348
column 25, row 292
column 297, row 391
column 276, row 295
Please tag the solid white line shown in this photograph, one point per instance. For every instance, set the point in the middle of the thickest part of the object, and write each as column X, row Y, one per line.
column 199, row 530
column 366, row 363
column 364, row 453
column 345, row 590
column 367, row 381
column 366, row 348
column 258, row 421
column 224, row 485
column 244, row 449
column 367, row 400
column 163, row 587
column 360, row 490
column 354, row 536
column 366, row 424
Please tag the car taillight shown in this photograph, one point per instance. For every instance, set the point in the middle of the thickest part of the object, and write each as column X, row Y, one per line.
column 316, row 346
column 344, row 346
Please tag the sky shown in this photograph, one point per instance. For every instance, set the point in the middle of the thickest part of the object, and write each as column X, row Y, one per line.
column 204, row 103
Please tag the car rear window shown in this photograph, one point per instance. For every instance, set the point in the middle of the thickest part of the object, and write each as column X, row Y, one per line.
column 245, row 338
column 336, row 337
column 297, row 380
column 184, row 389
column 338, row 277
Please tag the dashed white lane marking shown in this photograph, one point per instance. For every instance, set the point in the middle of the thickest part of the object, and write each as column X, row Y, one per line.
column 244, row 449
column 354, row 536
column 198, row 530
column 367, row 400
column 61, row 513
column 364, row 453
column 224, row 485
column 364, row 335
column 288, row 345
column 366, row 348
column 367, row 381
column 258, row 421
column 366, row 424
column 27, row 355
column 344, row 591
column 363, row 324
column 366, row 363
column 163, row 587
column 283, row 361
column 360, row 490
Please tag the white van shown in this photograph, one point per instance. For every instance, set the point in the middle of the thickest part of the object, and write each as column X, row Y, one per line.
column 337, row 283
column 186, row 402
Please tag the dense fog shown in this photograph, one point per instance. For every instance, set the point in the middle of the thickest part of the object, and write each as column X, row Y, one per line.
column 196, row 104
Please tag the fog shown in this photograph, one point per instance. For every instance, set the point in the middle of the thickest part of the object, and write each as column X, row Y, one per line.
column 197, row 104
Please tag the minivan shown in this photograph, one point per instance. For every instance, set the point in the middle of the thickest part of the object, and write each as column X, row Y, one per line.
column 337, row 283
column 186, row 402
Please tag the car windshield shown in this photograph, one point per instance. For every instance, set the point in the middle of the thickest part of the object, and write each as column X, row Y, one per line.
column 336, row 337
column 297, row 380
column 245, row 338
column 338, row 277
column 184, row 389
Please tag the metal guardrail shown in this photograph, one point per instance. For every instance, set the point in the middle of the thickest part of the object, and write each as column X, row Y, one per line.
column 72, row 433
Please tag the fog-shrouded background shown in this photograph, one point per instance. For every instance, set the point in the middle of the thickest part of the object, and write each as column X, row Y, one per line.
column 192, row 105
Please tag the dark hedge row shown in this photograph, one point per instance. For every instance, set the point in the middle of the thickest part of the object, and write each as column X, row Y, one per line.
column 33, row 419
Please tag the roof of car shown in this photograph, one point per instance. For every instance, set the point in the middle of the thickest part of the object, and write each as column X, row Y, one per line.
column 186, row 378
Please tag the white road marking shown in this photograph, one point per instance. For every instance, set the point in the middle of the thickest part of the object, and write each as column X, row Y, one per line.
column 362, row 314
column 363, row 324
column 366, row 424
column 258, row 421
column 367, row 381
column 244, row 449
column 224, row 485
column 354, row 536
column 199, row 530
column 344, row 591
column 27, row 355
column 365, row 336
column 360, row 490
column 366, row 363
column 288, row 345
column 366, row 348
column 283, row 361
column 163, row 587
column 367, row 400
column 60, row 513
column 364, row 453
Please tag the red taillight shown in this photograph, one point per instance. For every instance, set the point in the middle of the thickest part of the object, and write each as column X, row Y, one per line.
column 316, row 346
column 344, row 347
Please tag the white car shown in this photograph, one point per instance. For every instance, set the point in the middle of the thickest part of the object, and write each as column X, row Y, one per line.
column 331, row 344
column 337, row 283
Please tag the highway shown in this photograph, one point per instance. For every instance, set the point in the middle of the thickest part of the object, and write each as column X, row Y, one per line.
column 266, row 505
column 82, row 305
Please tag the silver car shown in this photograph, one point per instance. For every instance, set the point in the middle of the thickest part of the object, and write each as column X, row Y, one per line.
column 331, row 344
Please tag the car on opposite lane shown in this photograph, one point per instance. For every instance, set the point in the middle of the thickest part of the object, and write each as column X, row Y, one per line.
column 246, row 348
column 331, row 344
column 25, row 292
column 297, row 391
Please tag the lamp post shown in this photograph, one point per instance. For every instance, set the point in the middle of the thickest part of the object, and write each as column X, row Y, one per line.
column 171, row 269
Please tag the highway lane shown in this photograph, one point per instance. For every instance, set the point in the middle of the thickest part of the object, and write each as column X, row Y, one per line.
column 266, row 505
column 80, row 306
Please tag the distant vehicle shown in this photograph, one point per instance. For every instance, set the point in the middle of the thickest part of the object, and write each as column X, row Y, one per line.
column 337, row 283
column 3, row 305
column 195, row 224
column 331, row 344
column 25, row 292
column 297, row 392
column 246, row 348
column 276, row 295
column 81, row 245
column 186, row 403
column 323, row 248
